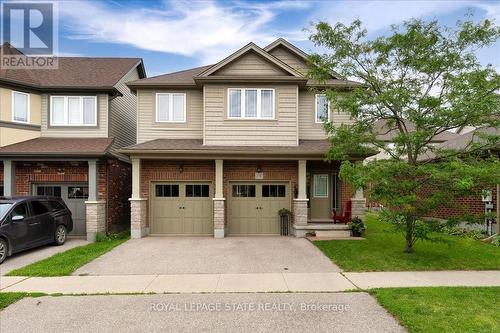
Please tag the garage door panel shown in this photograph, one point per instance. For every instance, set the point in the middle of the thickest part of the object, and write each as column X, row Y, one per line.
column 182, row 213
column 259, row 214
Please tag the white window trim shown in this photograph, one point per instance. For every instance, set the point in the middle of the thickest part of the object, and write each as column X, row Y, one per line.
column 327, row 185
column 170, row 108
column 66, row 110
column 243, row 104
column 28, row 113
column 316, row 109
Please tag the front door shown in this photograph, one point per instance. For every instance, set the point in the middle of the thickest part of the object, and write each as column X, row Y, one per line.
column 320, row 196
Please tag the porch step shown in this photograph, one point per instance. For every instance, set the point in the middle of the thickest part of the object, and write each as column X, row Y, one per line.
column 322, row 226
column 333, row 233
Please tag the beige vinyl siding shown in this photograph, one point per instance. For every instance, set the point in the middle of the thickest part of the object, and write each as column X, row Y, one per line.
column 282, row 131
column 250, row 64
column 10, row 136
column 6, row 106
column 308, row 128
column 149, row 129
column 122, row 117
column 101, row 131
column 290, row 59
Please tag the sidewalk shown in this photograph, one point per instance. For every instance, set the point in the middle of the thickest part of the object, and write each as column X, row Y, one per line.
column 245, row 283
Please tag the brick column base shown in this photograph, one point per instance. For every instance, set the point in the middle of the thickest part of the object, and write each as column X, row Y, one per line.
column 358, row 207
column 138, row 218
column 300, row 216
column 96, row 218
column 219, row 217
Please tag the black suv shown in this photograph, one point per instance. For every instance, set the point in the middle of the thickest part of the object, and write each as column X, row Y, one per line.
column 27, row 222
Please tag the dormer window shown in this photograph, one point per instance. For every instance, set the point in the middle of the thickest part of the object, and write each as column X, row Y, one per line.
column 73, row 111
column 322, row 109
column 250, row 103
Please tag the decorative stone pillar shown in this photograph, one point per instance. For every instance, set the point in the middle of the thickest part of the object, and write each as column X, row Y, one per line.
column 95, row 210
column 95, row 218
column 138, row 218
column 359, row 204
column 300, row 210
column 219, row 201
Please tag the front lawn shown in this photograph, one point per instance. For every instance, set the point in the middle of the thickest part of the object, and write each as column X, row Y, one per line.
column 67, row 262
column 7, row 299
column 443, row 309
column 383, row 250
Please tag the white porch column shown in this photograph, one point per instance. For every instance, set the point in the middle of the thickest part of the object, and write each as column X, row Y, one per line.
column 138, row 205
column 95, row 208
column 9, row 178
column 219, row 200
column 300, row 204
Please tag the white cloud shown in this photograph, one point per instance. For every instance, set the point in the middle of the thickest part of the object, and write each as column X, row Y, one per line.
column 203, row 29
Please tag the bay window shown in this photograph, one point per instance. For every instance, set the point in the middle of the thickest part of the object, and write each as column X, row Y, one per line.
column 20, row 107
column 171, row 107
column 322, row 109
column 73, row 110
column 250, row 103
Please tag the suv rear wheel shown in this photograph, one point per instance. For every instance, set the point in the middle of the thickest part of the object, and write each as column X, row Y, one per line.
column 60, row 235
column 4, row 250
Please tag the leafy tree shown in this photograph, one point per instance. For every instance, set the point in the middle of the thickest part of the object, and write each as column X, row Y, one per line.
column 422, row 80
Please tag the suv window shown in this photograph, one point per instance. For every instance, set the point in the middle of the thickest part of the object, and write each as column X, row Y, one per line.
column 39, row 207
column 21, row 210
column 56, row 206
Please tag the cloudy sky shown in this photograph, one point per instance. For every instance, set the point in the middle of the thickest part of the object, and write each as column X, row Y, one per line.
column 172, row 35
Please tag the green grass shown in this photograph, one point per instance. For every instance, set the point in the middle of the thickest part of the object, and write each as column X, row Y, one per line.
column 67, row 262
column 7, row 299
column 383, row 250
column 443, row 309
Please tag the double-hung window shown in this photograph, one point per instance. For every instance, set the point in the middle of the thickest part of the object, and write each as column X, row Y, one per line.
column 250, row 103
column 20, row 107
column 73, row 111
column 171, row 107
column 322, row 109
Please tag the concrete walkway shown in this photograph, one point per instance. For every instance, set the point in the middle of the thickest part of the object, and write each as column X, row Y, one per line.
column 246, row 283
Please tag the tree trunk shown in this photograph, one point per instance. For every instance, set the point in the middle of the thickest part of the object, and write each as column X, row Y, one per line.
column 409, row 235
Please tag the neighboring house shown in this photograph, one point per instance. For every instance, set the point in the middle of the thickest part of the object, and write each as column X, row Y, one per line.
column 60, row 130
column 221, row 148
column 472, row 204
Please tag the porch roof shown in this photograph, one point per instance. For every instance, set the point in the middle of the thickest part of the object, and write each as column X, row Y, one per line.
column 58, row 147
column 306, row 148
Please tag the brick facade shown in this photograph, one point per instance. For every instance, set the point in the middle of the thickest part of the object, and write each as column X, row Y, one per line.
column 114, row 184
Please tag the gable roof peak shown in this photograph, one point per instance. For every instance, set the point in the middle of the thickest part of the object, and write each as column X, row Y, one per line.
column 286, row 44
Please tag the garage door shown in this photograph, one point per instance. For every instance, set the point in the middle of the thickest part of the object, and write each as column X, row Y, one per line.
column 74, row 196
column 253, row 207
column 182, row 209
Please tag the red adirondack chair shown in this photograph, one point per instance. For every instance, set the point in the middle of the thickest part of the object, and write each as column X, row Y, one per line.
column 347, row 214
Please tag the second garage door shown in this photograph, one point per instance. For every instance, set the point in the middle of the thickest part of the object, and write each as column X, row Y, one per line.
column 181, row 208
column 253, row 207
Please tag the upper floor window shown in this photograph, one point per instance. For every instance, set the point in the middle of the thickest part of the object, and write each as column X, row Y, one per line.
column 171, row 107
column 73, row 111
column 20, row 107
column 250, row 103
column 322, row 109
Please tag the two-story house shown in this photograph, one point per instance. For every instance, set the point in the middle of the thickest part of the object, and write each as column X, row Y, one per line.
column 222, row 148
column 60, row 131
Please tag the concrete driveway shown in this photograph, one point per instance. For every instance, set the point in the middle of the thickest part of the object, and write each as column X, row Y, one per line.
column 24, row 258
column 191, row 255
column 337, row 312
